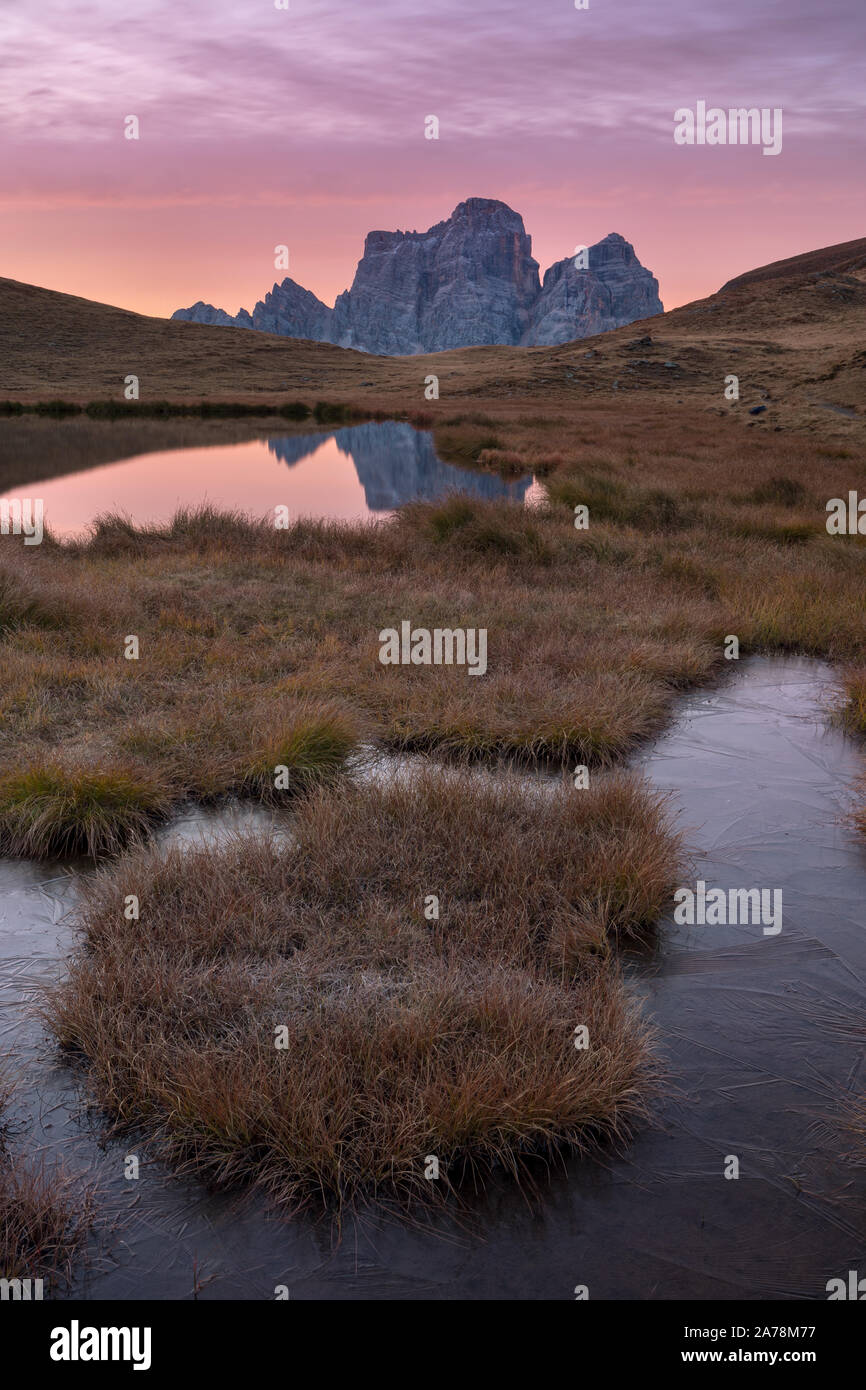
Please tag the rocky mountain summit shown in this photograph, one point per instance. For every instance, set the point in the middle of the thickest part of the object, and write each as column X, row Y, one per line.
column 207, row 313
column 614, row 291
column 469, row 281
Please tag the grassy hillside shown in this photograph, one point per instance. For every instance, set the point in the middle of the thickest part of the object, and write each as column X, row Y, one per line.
column 793, row 333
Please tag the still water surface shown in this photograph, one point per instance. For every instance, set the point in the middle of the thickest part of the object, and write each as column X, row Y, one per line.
column 350, row 474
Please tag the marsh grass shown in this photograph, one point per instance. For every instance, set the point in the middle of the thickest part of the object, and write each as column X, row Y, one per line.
column 54, row 808
column 313, row 748
column 405, row 1036
column 783, row 491
column 853, row 713
column 693, row 534
column 50, row 809
column 204, row 410
column 498, row 531
column 45, row 1216
column 232, row 747
column 505, row 462
column 25, row 603
column 609, row 500
column 779, row 532
column 463, row 440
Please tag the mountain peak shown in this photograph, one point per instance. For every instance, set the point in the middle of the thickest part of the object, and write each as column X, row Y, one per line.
column 484, row 207
column 468, row 281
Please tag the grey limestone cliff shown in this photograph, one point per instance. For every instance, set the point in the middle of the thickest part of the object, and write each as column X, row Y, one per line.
column 469, row 281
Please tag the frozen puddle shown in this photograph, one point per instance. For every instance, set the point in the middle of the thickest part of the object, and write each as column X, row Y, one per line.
column 763, row 1035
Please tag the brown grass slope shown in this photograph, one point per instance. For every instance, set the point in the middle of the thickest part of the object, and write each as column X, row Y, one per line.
column 58, row 345
column 845, row 257
column 793, row 332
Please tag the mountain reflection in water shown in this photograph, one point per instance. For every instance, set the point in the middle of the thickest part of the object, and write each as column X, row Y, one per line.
column 148, row 473
column 397, row 464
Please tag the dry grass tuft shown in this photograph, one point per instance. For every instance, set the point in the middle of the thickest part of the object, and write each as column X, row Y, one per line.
column 24, row 602
column 44, row 1219
column 464, row 439
column 234, row 746
column 404, row 1036
column 492, row 531
column 52, row 809
column 305, row 750
column 853, row 714
column 44, row 1214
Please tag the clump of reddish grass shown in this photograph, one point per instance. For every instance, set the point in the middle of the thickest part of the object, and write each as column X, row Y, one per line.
column 853, row 714
column 462, row 440
column 779, row 490
column 404, row 1036
column 488, row 530
column 44, row 1214
column 44, row 1218
column 55, row 807
column 26, row 602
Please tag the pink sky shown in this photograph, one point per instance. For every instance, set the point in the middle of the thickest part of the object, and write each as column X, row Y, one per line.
column 261, row 126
